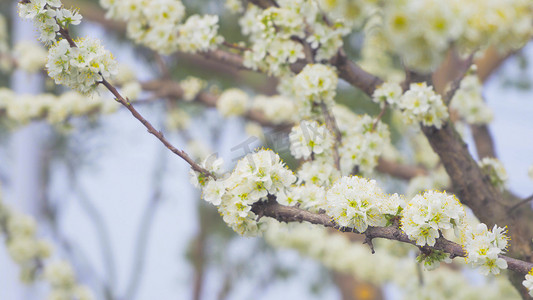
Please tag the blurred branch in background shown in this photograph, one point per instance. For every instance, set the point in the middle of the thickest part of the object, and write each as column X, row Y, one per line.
column 102, row 232
column 145, row 227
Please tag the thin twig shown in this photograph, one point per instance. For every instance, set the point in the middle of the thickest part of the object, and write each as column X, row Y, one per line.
column 332, row 127
column 65, row 34
column 380, row 116
column 456, row 84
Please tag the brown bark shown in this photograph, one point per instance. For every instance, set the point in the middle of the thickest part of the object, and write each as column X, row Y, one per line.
column 288, row 214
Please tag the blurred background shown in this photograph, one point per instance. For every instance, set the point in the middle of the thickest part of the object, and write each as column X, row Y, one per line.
column 120, row 208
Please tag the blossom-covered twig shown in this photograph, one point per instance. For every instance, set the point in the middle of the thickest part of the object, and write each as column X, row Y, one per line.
column 289, row 214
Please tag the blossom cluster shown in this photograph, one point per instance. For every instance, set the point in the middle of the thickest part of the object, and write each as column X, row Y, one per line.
column 233, row 102
column 254, row 178
column 356, row 202
column 483, row 247
column 320, row 171
column 427, row 214
column 468, row 101
column 418, row 104
column 192, row 86
column 351, row 202
column 199, row 34
column 308, row 196
column 49, row 17
column 387, row 93
column 310, row 138
column 158, row 25
column 29, row 56
column 234, row 6
column 346, row 13
column 81, row 67
column 280, row 34
column 495, row 170
column 314, row 85
column 505, row 25
column 277, row 109
column 21, row 241
column 62, row 279
column 375, row 56
column 420, row 32
column 21, row 109
column 363, row 140
column 31, row 254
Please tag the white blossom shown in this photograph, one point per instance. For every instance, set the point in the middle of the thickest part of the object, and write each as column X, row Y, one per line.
column 277, row 109
column 199, row 34
column 421, row 104
column 191, row 87
column 254, row 178
column 495, row 170
column 30, row 57
column 483, row 247
column 314, row 85
column 308, row 138
column 307, row 196
column 388, row 92
column 82, row 67
column 233, row 102
column 430, row 212
column 469, row 103
column 60, row 274
column 320, row 171
column 354, row 202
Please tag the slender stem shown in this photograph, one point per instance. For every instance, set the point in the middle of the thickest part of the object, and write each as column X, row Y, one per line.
column 331, row 124
column 158, row 134
column 380, row 116
column 65, row 34
column 456, row 84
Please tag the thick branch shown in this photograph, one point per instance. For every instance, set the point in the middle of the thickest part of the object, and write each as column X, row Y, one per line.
column 483, row 140
column 470, row 185
column 354, row 75
column 398, row 170
column 288, row 214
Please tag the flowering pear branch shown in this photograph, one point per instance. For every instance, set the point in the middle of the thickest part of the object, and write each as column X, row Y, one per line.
column 289, row 214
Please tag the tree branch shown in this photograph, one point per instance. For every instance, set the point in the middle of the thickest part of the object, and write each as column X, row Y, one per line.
column 483, row 141
column 158, row 134
column 289, row 214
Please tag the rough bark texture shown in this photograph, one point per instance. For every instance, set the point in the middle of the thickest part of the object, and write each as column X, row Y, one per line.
column 288, row 214
column 483, row 141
